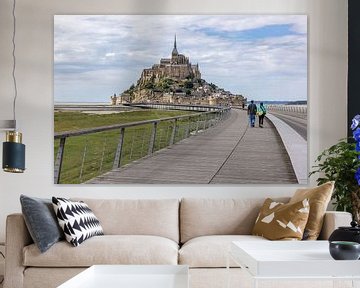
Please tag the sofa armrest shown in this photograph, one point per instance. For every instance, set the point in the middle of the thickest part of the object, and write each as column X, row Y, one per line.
column 17, row 237
column 333, row 220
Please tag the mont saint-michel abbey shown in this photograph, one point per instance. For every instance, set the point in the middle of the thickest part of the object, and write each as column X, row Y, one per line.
column 175, row 80
column 177, row 67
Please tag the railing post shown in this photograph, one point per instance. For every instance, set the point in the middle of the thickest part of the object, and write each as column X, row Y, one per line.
column 59, row 161
column 173, row 134
column 218, row 116
column 187, row 132
column 152, row 139
column 83, row 162
column 212, row 119
column 205, row 119
column 117, row 159
column 197, row 124
column 102, row 156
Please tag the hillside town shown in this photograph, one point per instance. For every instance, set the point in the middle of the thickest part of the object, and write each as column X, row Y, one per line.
column 176, row 80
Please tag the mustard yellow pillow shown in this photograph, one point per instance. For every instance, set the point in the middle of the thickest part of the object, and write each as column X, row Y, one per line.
column 319, row 198
column 279, row 221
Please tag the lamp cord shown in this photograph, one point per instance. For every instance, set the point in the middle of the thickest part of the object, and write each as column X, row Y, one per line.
column 14, row 61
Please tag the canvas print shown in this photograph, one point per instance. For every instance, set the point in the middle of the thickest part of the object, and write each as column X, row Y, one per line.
column 180, row 99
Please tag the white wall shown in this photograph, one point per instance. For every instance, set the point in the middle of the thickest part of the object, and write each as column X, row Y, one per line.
column 327, row 88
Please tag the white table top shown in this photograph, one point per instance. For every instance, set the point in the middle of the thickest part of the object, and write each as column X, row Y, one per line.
column 131, row 276
column 291, row 259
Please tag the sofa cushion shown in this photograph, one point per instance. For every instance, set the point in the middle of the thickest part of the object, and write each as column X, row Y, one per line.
column 107, row 249
column 41, row 221
column 158, row 217
column 319, row 198
column 35, row 277
column 279, row 221
column 77, row 220
column 211, row 251
column 201, row 217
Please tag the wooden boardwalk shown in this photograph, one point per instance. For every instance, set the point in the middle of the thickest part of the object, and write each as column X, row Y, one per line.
column 230, row 153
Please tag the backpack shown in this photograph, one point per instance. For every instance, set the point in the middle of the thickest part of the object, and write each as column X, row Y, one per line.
column 252, row 108
column 263, row 109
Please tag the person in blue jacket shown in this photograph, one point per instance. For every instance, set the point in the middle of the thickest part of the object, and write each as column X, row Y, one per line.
column 252, row 109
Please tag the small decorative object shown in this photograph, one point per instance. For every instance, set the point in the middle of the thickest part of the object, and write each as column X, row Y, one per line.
column 344, row 233
column 341, row 163
column 344, row 250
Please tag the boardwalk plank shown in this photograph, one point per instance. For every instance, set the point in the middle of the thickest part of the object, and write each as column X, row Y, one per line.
column 230, row 153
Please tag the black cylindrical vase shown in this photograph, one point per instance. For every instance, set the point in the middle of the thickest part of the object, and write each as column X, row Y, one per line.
column 13, row 153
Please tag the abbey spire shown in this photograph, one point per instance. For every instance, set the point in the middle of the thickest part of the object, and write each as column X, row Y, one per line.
column 174, row 51
column 177, row 68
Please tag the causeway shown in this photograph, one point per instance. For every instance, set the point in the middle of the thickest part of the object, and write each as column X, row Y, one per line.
column 229, row 153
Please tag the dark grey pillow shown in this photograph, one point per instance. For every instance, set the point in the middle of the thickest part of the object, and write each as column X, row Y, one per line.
column 41, row 221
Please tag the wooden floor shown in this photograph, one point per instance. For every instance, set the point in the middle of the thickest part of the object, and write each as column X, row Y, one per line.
column 230, row 153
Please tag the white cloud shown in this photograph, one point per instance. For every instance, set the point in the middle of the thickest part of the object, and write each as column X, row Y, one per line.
column 110, row 54
column 111, row 51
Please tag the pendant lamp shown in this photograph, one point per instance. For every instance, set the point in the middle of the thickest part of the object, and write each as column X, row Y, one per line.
column 13, row 159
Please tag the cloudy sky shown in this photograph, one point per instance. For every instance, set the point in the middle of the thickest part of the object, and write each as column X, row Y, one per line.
column 260, row 57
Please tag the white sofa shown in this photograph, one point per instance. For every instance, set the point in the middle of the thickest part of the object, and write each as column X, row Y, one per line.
column 194, row 232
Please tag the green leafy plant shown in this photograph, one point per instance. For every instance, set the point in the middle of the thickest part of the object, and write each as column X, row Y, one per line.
column 341, row 163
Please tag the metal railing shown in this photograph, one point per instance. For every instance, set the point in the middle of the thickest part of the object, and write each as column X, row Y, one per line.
column 299, row 109
column 163, row 106
column 87, row 153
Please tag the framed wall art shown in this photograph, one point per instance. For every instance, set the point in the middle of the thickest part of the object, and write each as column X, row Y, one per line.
column 180, row 99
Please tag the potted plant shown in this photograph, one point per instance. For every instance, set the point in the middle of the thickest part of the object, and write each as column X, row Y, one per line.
column 341, row 163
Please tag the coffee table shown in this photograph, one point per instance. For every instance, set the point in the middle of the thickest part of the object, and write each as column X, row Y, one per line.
column 131, row 276
column 293, row 260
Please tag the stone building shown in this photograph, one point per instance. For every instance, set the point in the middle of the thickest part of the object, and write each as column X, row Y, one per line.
column 175, row 80
column 178, row 67
column 121, row 99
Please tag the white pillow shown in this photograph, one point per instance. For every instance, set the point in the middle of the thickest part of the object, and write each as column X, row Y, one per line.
column 76, row 220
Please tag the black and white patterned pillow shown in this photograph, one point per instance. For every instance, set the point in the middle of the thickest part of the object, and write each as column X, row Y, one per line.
column 77, row 220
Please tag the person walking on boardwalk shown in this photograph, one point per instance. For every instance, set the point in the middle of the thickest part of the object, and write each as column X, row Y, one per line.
column 252, row 113
column 261, row 113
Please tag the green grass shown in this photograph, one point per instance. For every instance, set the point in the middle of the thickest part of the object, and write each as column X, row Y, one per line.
column 88, row 156
column 70, row 121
